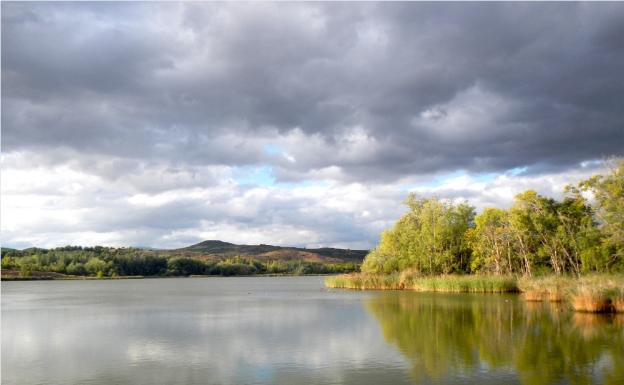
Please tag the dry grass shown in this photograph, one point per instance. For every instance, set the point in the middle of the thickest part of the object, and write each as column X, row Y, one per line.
column 592, row 293
column 363, row 281
column 409, row 280
column 534, row 295
column 591, row 299
column 618, row 302
column 598, row 294
column 551, row 288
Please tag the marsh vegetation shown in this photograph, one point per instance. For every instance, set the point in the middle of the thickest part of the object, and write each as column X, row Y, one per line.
column 569, row 250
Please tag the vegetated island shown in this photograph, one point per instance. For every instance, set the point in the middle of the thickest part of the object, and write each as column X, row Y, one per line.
column 203, row 259
column 570, row 250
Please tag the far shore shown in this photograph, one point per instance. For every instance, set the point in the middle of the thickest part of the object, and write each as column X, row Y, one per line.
column 14, row 276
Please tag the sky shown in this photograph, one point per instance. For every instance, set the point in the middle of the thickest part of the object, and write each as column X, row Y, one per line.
column 301, row 124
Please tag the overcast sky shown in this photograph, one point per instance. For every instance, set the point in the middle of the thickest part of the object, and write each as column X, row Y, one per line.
column 161, row 125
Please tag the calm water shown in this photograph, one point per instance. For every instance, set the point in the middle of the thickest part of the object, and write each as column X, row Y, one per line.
column 290, row 330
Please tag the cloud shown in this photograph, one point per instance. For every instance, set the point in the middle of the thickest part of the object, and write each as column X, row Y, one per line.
column 65, row 205
column 267, row 103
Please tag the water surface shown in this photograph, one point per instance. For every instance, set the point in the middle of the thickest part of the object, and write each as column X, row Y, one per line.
column 291, row 330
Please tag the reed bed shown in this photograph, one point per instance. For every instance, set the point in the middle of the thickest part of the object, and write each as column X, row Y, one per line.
column 548, row 288
column 363, row 281
column 598, row 297
column 618, row 301
column 408, row 281
column 463, row 284
column 592, row 293
column 591, row 299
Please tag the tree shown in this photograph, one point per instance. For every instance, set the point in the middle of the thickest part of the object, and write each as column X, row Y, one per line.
column 608, row 194
column 534, row 221
column 429, row 238
column 186, row 266
column 8, row 262
column 76, row 269
column 492, row 242
column 577, row 233
column 95, row 266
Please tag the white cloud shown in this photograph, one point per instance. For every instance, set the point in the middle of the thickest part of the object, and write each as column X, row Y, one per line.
column 474, row 114
column 499, row 191
column 57, row 205
column 162, row 124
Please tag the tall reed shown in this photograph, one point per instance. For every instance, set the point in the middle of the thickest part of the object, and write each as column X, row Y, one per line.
column 551, row 288
column 591, row 293
column 411, row 281
column 363, row 281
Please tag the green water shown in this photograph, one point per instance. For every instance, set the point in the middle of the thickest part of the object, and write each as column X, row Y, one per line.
column 291, row 330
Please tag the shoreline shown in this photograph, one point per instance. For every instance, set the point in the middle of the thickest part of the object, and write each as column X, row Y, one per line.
column 598, row 293
column 124, row 277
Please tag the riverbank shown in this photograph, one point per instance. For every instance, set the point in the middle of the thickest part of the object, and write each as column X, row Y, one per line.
column 12, row 275
column 602, row 293
column 593, row 293
column 408, row 281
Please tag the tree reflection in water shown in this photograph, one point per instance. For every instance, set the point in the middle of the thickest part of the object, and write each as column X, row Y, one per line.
column 450, row 336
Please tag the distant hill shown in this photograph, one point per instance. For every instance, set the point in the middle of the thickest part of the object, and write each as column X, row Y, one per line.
column 214, row 249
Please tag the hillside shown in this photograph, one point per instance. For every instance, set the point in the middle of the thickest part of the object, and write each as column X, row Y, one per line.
column 205, row 258
column 214, row 249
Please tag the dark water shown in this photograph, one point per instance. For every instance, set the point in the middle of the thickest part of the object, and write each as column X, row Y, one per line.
column 290, row 330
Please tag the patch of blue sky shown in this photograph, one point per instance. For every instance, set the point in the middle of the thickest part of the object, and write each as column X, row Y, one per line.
column 438, row 181
column 273, row 149
column 485, row 177
column 517, row 171
column 593, row 163
column 254, row 176
column 263, row 176
column 302, row 184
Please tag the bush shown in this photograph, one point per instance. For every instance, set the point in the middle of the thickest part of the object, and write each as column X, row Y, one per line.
column 186, row 267
column 226, row 268
column 76, row 269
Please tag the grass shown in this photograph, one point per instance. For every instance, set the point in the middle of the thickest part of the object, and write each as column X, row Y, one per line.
column 591, row 293
column 598, row 294
column 462, row 284
column 363, row 281
column 551, row 288
column 410, row 281
column 618, row 301
column 592, row 300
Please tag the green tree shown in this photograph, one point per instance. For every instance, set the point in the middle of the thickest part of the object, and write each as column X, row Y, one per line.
column 492, row 242
column 577, row 233
column 76, row 269
column 608, row 194
column 8, row 262
column 534, row 222
column 429, row 238
column 186, row 266
column 95, row 265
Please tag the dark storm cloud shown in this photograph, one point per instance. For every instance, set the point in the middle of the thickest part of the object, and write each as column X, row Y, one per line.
column 356, row 91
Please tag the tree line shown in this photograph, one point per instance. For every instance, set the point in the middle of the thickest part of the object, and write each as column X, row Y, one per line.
column 111, row 262
column 583, row 232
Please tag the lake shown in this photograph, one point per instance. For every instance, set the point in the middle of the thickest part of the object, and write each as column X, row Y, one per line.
column 292, row 330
